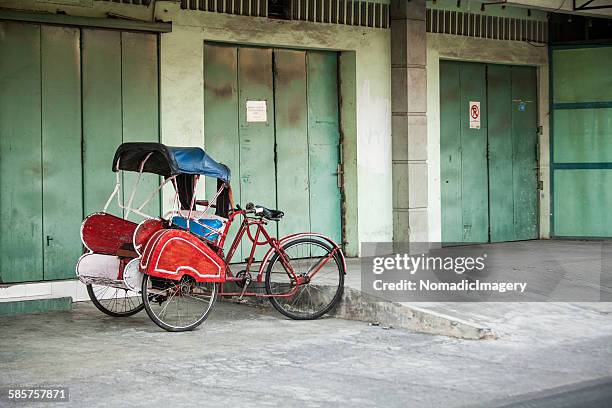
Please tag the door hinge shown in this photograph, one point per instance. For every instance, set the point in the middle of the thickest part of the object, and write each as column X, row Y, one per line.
column 339, row 175
column 540, row 185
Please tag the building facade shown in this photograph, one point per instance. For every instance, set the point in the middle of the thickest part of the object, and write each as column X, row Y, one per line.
column 378, row 121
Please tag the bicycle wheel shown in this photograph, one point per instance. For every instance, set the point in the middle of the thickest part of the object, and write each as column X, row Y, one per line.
column 317, row 296
column 178, row 305
column 114, row 301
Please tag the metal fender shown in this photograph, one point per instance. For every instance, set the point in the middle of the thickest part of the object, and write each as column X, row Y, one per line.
column 289, row 238
column 144, row 231
column 172, row 253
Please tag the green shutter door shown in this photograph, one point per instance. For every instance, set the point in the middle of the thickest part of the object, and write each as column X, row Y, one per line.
column 102, row 124
column 257, row 172
column 488, row 175
column 140, row 110
column 324, row 143
column 20, row 153
column 450, row 153
column 464, row 154
column 290, row 161
column 221, row 119
column 292, row 140
column 474, row 191
column 525, row 145
column 61, row 150
column 501, row 146
column 512, row 103
column 44, row 182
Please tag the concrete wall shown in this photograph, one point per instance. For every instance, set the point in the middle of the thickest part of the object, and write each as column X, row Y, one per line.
column 443, row 46
column 182, row 100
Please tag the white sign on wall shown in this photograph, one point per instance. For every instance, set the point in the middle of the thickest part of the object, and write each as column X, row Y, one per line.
column 474, row 115
column 256, row 111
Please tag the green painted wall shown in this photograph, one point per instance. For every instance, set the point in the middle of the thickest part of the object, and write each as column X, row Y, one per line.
column 581, row 157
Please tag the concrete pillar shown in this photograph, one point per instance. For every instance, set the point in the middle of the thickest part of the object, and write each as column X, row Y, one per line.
column 409, row 124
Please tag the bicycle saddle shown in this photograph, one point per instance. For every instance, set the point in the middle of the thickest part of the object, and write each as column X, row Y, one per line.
column 260, row 210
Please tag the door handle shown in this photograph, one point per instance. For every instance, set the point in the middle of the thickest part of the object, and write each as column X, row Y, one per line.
column 49, row 239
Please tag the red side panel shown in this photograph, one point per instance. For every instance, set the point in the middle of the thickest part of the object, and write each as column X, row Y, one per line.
column 105, row 233
column 145, row 231
column 172, row 253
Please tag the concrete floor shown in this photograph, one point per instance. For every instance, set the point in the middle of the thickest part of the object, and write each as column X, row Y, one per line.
column 252, row 357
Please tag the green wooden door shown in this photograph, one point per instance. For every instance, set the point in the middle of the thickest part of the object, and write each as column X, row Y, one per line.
column 289, row 161
column 68, row 98
column 140, row 113
column 501, row 148
column 120, row 104
column 61, row 150
column 292, row 140
column 221, row 119
column 525, row 152
column 581, row 123
column 450, row 153
column 512, row 135
column 20, row 153
column 463, row 154
column 102, row 124
column 257, row 170
column 324, row 143
column 488, row 175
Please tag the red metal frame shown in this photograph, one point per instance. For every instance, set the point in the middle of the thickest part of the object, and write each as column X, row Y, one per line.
column 276, row 246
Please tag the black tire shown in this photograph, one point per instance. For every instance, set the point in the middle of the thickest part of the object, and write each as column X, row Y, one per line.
column 153, row 301
column 132, row 305
column 334, row 286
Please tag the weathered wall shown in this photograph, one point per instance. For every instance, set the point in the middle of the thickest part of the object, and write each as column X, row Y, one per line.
column 442, row 46
column 182, row 101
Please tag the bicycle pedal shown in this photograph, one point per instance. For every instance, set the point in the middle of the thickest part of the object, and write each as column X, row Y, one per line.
column 247, row 281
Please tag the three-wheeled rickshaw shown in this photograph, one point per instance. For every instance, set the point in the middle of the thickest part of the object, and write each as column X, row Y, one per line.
column 175, row 266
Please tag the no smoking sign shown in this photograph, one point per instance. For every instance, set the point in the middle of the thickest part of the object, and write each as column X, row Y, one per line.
column 474, row 115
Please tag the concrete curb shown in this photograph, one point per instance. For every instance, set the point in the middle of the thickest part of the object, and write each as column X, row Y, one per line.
column 356, row 305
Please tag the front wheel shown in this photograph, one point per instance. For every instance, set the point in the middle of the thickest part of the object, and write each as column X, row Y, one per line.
column 113, row 301
column 322, row 271
column 178, row 305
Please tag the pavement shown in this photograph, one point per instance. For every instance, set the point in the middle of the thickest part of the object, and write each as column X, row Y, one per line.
column 254, row 357
column 542, row 354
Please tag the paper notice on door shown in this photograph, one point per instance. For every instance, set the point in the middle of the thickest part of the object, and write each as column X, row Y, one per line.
column 256, row 111
column 474, row 115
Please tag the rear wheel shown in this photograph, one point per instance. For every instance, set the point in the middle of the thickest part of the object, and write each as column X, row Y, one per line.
column 114, row 301
column 178, row 305
column 312, row 258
